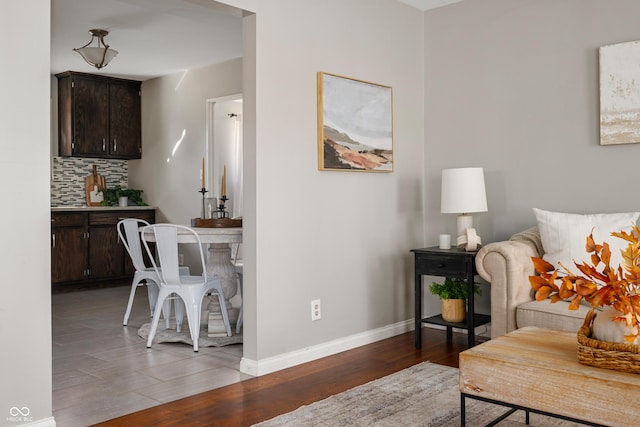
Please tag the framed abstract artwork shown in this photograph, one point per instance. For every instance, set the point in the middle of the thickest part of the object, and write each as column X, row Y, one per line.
column 355, row 125
column 620, row 93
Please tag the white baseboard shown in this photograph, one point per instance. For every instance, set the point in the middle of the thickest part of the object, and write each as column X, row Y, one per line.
column 45, row 422
column 287, row 360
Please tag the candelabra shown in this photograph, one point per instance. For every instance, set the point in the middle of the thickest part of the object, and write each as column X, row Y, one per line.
column 222, row 211
column 203, row 213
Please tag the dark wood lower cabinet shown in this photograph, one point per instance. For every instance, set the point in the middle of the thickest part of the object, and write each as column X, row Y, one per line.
column 86, row 251
column 69, row 247
column 106, row 254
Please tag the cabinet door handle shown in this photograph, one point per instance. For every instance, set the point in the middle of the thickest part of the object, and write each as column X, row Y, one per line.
column 115, row 144
column 53, row 240
column 104, row 144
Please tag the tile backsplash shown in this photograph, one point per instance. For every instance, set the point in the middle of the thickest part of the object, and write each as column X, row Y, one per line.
column 68, row 173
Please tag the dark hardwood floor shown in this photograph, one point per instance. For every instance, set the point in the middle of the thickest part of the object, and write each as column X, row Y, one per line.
column 265, row 397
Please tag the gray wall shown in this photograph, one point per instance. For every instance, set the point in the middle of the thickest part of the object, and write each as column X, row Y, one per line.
column 342, row 237
column 512, row 86
column 25, row 260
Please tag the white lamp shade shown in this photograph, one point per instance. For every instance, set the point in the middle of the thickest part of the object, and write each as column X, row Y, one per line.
column 463, row 191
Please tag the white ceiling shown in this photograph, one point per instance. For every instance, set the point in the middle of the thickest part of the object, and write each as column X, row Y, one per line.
column 154, row 37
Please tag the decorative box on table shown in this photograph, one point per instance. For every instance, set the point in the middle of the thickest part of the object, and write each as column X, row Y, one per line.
column 216, row 222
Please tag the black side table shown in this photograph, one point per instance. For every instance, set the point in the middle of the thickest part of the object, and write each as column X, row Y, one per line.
column 455, row 263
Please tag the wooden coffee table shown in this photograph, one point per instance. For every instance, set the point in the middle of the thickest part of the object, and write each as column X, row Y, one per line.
column 537, row 370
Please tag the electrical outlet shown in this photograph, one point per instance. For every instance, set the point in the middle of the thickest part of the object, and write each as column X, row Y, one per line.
column 180, row 259
column 315, row 310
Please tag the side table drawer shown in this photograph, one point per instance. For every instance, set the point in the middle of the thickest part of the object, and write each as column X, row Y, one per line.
column 442, row 266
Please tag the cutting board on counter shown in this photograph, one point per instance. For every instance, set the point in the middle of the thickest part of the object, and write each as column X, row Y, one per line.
column 93, row 186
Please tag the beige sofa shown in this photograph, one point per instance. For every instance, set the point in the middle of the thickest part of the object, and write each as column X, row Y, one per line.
column 507, row 266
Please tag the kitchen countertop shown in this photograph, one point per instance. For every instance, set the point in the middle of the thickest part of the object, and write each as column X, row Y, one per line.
column 100, row 208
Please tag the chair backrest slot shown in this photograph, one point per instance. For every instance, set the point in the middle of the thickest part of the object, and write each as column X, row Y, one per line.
column 128, row 231
column 166, row 237
column 167, row 248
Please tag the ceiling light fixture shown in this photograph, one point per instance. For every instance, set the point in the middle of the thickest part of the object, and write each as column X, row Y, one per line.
column 98, row 56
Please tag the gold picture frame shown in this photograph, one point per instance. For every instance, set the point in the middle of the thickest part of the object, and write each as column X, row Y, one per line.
column 355, row 125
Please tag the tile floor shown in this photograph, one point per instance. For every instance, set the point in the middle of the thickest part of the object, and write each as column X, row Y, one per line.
column 102, row 370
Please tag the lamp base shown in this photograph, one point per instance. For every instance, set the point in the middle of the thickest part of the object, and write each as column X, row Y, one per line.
column 470, row 241
column 467, row 237
column 464, row 221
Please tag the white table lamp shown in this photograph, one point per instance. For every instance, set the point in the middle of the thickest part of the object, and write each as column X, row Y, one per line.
column 463, row 192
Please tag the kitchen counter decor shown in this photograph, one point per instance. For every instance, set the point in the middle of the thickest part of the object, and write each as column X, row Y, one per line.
column 112, row 196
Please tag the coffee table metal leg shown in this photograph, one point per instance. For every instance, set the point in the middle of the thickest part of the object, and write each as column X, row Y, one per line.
column 513, row 408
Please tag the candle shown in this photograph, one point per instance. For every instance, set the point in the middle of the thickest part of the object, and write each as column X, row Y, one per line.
column 202, row 173
column 445, row 241
column 223, row 183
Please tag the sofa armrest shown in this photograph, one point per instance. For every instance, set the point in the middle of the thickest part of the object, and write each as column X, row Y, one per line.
column 507, row 266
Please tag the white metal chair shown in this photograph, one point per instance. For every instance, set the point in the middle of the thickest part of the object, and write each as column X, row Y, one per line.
column 129, row 234
column 191, row 289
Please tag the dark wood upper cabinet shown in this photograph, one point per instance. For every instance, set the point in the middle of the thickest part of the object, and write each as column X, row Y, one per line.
column 99, row 116
column 124, row 113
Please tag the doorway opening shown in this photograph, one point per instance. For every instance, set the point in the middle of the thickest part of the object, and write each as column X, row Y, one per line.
column 224, row 150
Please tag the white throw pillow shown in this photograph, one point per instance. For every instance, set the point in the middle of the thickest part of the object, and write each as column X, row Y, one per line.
column 564, row 235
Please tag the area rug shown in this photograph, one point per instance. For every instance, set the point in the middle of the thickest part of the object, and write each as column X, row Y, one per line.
column 426, row 394
column 184, row 336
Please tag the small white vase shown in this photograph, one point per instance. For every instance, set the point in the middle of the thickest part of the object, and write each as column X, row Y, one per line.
column 123, row 201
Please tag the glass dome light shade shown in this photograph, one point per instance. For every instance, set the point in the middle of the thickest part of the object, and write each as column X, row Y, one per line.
column 97, row 56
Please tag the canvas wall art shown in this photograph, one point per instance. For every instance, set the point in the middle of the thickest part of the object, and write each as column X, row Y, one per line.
column 355, row 125
column 620, row 93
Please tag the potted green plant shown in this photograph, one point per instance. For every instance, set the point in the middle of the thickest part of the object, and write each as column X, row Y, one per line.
column 453, row 294
column 112, row 196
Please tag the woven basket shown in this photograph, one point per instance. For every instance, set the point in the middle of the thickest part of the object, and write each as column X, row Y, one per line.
column 603, row 354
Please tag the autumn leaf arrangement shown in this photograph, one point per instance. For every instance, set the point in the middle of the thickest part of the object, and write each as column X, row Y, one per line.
column 599, row 283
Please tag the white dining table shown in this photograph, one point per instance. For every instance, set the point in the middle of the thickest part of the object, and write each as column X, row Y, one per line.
column 219, row 264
